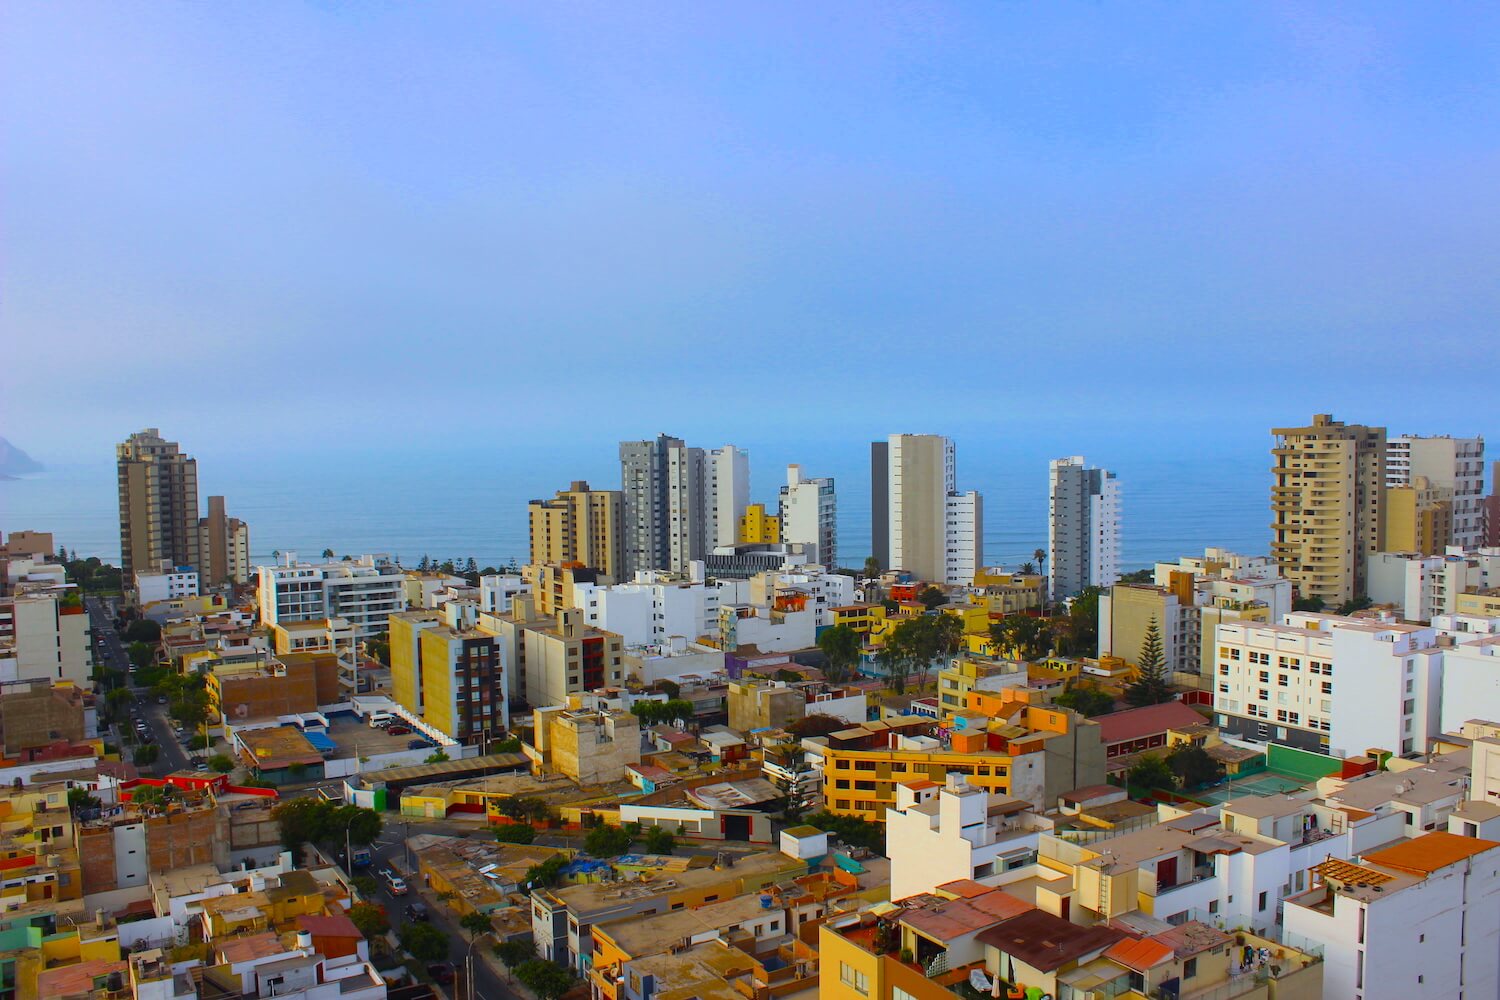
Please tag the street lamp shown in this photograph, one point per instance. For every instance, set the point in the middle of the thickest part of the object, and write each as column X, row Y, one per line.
column 469, row 963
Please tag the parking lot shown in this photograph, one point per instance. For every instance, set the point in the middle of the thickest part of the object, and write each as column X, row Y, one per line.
column 354, row 738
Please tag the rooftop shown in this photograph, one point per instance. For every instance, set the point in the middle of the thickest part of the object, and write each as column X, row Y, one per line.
column 592, row 897
column 640, row 936
column 283, row 746
column 1138, row 723
column 1430, row 852
column 1266, row 806
column 943, row 920
column 1047, row 943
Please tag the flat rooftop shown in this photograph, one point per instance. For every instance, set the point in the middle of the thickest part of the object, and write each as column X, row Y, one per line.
column 639, row 936
column 591, row 897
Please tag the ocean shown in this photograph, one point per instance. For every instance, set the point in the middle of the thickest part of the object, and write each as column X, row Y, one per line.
column 472, row 502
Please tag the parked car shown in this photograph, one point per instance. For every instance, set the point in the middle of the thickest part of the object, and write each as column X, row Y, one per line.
column 394, row 882
column 417, row 912
column 399, row 730
column 417, row 745
column 441, row 972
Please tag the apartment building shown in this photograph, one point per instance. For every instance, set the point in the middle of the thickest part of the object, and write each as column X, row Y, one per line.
column 463, row 682
column 1326, row 502
column 927, row 527
column 124, row 847
column 1452, row 467
column 654, row 608
column 758, row 527
column 405, row 638
column 158, row 488
column 564, row 655
column 1083, row 527
column 1417, row 919
column 1329, row 684
column 497, row 591
column 809, row 515
column 48, row 637
column 165, row 584
column 590, row 746
column 1422, row 587
column 365, row 592
column 579, row 525
column 1417, row 517
column 727, row 495
column 937, row 833
column 823, row 590
column 223, row 547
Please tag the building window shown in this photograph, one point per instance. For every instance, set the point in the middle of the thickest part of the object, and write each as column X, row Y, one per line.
column 1190, row 968
column 854, row 979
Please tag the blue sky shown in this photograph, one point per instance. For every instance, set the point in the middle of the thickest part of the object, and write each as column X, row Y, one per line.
column 388, row 226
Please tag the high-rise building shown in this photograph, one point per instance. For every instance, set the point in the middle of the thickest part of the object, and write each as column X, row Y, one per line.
column 809, row 514
column 158, row 503
column 880, row 503
column 1448, row 463
column 223, row 547
column 579, row 525
column 1417, row 516
column 930, row 529
column 1326, row 502
column 728, row 471
column 366, row 592
column 665, row 488
column 1083, row 528
column 1491, row 509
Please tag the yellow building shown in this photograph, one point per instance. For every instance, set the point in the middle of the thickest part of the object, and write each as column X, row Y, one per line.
column 862, row 618
column 759, row 528
column 1004, row 593
column 579, row 525
column 1484, row 602
column 405, row 637
column 966, row 673
column 1326, row 505
column 1418, row 518
column 463, row 682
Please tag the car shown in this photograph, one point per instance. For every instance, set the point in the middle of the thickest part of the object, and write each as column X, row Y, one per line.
column 417, row 912
column 200, row 766
column 394, row 882
column 418, row 745
column 441, row 972
column 399, row 730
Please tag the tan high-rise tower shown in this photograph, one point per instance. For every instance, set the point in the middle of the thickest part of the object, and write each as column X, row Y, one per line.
column 579, row 525
column 158, row 504
column 1326, row 501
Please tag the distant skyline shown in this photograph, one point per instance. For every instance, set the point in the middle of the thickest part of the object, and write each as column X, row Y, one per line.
column 1055, row 228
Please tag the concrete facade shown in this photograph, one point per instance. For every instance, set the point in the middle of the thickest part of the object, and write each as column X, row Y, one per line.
column 1083, row 527
column 1452, row 465
column 158, row 492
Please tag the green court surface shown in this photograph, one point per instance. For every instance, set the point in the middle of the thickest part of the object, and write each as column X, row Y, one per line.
column 1264, row 783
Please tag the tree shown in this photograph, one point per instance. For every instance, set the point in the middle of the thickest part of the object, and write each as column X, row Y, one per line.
column 1021, row 636
column 607, row 841
column 1028, row 569
column 547, row 980
column 142, row 630
column 423, row 941
column 931, row 597
column 872, row 567
column 141, row 654
column 1193, row 766
column 659, row 841
column 669, row 688
column 79, row 799
column 513, row 953
column 150, row 795
column 1040, row 555
column 1150, row 685
column 840, row 645
column 1078, row 633
column 370, row 919
column 895, row 662
column 515, row 833
column 1086, row 699
column 1151, row 772
column 1137, row 576
column 476, row 924
column 679, row 709
column 327, row 553
column 221, row 763
column 436, row 757
column 1313, row 604
column 118, row 697
column 1354, row 604
column 145, row 755
column 817, row 724
column 647, row 711
column 365, row 885
column 549, row 872
column 379, row 649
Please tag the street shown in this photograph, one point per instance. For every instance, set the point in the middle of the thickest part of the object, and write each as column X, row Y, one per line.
column 109, row 648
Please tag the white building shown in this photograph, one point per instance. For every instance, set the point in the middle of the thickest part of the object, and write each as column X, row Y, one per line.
column 1329, row 684
column 728, row 494
column 364, row 591
column 1449, row 463
column 768, row 630
column 654, row 608
column 1083, row 527
column 1423, row 587
column 824, row 590
column 963, row 539
column 1420, row 919
column 809, row 516
column 1224, row 579
column 942, row 833
column 1471, row 679
column 498, row 590
column 165, row 585
column 44, row 638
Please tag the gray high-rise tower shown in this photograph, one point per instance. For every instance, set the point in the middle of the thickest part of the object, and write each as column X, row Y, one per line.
column 1083, row 528
column 664, row 483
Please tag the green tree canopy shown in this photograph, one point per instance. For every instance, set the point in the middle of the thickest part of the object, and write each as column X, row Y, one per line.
column 1086, row 699
column 607, row 841
column 547, row 980
column 423, row 941
column 1151, row 772
column 851, row 830
column 515, row 833
column 840, row 645
column 370, row 919
column 1150, row 686
column 817, row 724
column 659, row 841
column 221, row 763
column 931, row 597
column 475, row 923
column 1021, row 636
column 1193, row 766
column 142, row 630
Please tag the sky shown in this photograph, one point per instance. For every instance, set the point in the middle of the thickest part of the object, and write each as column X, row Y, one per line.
column 384, row 228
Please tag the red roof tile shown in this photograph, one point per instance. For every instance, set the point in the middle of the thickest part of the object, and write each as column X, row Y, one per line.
column 1137, row 723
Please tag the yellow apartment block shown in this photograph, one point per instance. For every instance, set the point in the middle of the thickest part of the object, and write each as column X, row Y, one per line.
column 862, row 618
column 582, row 526
column 1483, row 602
column 968, row 673
column 405, row 637
column 758, row 527
column 1418, row 518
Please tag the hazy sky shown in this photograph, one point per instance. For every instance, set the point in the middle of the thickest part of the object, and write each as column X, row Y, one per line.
column 364, row 225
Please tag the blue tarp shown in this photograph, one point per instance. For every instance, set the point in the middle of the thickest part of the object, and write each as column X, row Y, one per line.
column 320, row 741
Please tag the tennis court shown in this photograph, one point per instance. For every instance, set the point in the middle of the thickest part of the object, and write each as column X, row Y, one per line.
column 1264, row 783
